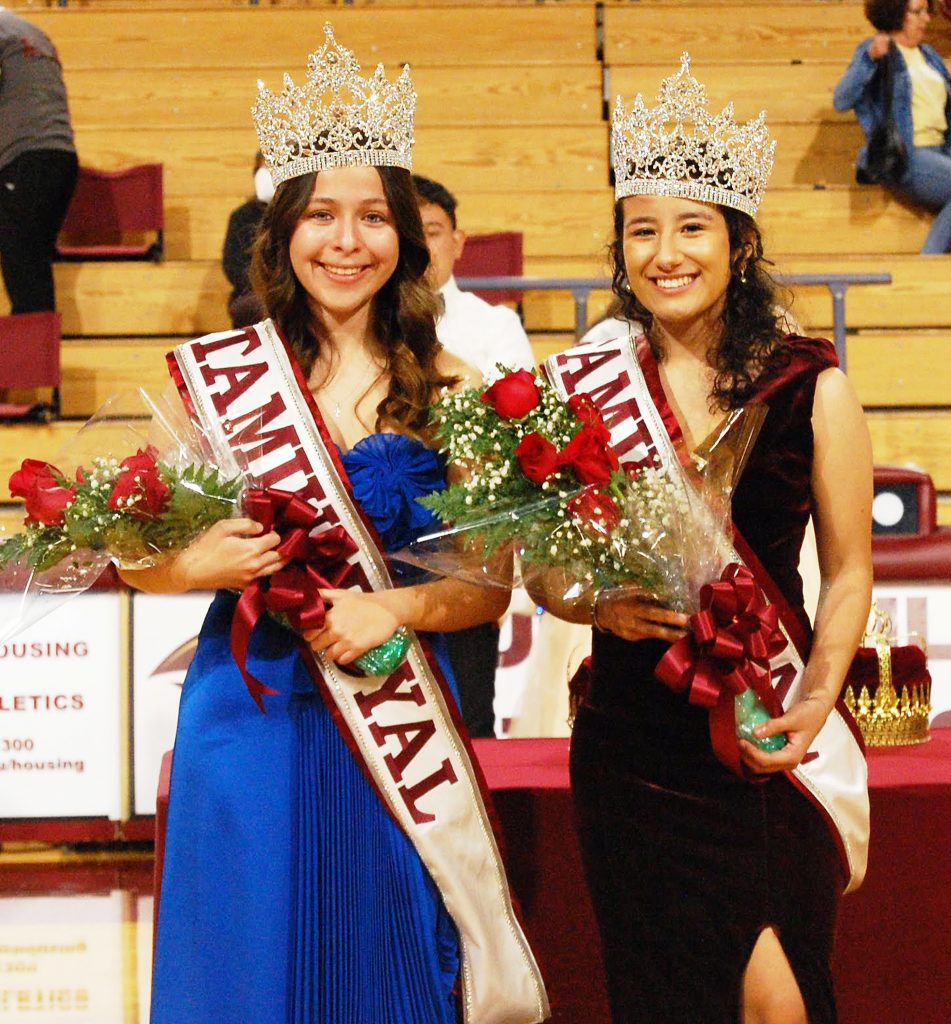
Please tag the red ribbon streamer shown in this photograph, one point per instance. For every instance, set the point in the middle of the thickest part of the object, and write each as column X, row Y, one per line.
column 316, row 563
column 731, row 641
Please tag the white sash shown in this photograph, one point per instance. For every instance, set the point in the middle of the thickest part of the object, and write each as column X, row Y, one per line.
column 259, row 418
column 834, row 773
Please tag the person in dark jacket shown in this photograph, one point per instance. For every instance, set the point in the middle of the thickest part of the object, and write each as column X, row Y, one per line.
column 920, row 106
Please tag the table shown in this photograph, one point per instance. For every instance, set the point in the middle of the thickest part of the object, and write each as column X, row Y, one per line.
column 892, row 962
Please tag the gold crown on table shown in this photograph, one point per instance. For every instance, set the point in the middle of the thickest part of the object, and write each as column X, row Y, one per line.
column 888, row 715
column 679, row 149
column 337, row 118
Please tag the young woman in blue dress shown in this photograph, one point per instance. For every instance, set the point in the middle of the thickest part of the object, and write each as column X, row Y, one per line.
column 293, row 890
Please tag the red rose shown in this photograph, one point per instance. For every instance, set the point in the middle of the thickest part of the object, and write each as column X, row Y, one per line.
column 537, row 457
column 514, row 395
column 144, row 459
column 585, row 410
column 46, row 500
column 23, row 482
column 140, row 490
column 590, row 455
column 594, row 511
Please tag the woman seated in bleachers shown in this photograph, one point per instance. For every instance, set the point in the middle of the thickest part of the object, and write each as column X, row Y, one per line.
column 919, row 107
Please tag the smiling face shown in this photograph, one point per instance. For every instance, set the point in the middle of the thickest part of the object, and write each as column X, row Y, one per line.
column 345, row 246
column 677, row 259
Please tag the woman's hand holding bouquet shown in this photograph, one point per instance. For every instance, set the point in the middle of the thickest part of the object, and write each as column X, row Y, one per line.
column 229, row 555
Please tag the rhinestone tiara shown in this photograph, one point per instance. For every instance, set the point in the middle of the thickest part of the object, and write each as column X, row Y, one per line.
column 678, row 149
column 337, row 118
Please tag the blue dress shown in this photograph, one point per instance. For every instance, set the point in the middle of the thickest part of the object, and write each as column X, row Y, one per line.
column 289, row 895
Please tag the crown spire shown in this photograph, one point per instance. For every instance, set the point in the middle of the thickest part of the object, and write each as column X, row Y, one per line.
column 679, row 149
column 337, row 118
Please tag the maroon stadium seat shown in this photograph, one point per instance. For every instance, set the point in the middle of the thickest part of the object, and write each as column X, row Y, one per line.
column 29, row 358
column 915, row 547
column 495, row 255
column 111, row 211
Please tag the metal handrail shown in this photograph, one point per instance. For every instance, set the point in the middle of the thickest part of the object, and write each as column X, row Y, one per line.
column 581, row 287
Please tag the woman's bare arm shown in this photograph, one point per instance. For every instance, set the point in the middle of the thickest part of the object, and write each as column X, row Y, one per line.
column 842, row 492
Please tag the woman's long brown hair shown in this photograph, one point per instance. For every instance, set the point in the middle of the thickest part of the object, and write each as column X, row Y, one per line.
column 404, row 310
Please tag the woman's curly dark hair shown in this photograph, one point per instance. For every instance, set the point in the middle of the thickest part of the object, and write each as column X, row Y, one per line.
column 404, row 310
column 753, row 345
column 888, row 15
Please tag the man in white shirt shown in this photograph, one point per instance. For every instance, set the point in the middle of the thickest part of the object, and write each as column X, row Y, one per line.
column 481, row 334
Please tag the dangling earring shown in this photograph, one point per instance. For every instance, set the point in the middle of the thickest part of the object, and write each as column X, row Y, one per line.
column 742, row 277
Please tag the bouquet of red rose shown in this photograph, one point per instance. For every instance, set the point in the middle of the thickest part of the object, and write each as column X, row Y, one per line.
column 543, row 482
column 542, row 487
column 136, row 511
column 532, row 464
column 144, row 486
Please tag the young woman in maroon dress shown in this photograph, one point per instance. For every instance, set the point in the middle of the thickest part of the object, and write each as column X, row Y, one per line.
column 716, row 894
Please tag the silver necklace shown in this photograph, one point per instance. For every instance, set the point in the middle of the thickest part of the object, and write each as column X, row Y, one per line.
column 337, row 408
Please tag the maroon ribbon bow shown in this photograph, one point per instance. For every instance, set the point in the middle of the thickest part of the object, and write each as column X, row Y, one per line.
column 315, row 563
column 731, row 641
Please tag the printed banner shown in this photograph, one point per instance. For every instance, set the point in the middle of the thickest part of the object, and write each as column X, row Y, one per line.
column 61, row 747
column 164, row 636
column 512, row 674
column 62, row 958
column 145, row 906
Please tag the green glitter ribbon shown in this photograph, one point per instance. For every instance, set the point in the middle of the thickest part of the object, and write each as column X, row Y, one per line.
column 751, row 712
column 386, row 657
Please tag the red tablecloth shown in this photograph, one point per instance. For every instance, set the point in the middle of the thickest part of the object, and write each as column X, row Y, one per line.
column 892, row 951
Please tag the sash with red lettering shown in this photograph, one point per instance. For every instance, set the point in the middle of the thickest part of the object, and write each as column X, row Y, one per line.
column 834, row 773
column 246, row 393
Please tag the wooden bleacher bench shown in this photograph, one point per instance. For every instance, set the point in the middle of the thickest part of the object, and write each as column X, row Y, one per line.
column 164, row 98
column 490, row 159
column 95, row 369
column 655, row 32
column 189, row 297
column 262, row 37
column 901, row 368
column 510, row 117
column 122, row 299
column 889, row 369
column 922, row 437
column 790, row 93
column 916, row 298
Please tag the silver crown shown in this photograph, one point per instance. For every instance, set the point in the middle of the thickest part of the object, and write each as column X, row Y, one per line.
column 678, row 149
column 337, row 118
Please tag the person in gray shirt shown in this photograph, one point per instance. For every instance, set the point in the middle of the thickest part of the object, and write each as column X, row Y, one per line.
column 38, row 165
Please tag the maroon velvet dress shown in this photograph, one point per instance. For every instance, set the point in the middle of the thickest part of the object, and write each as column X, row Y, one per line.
column 686, row 862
